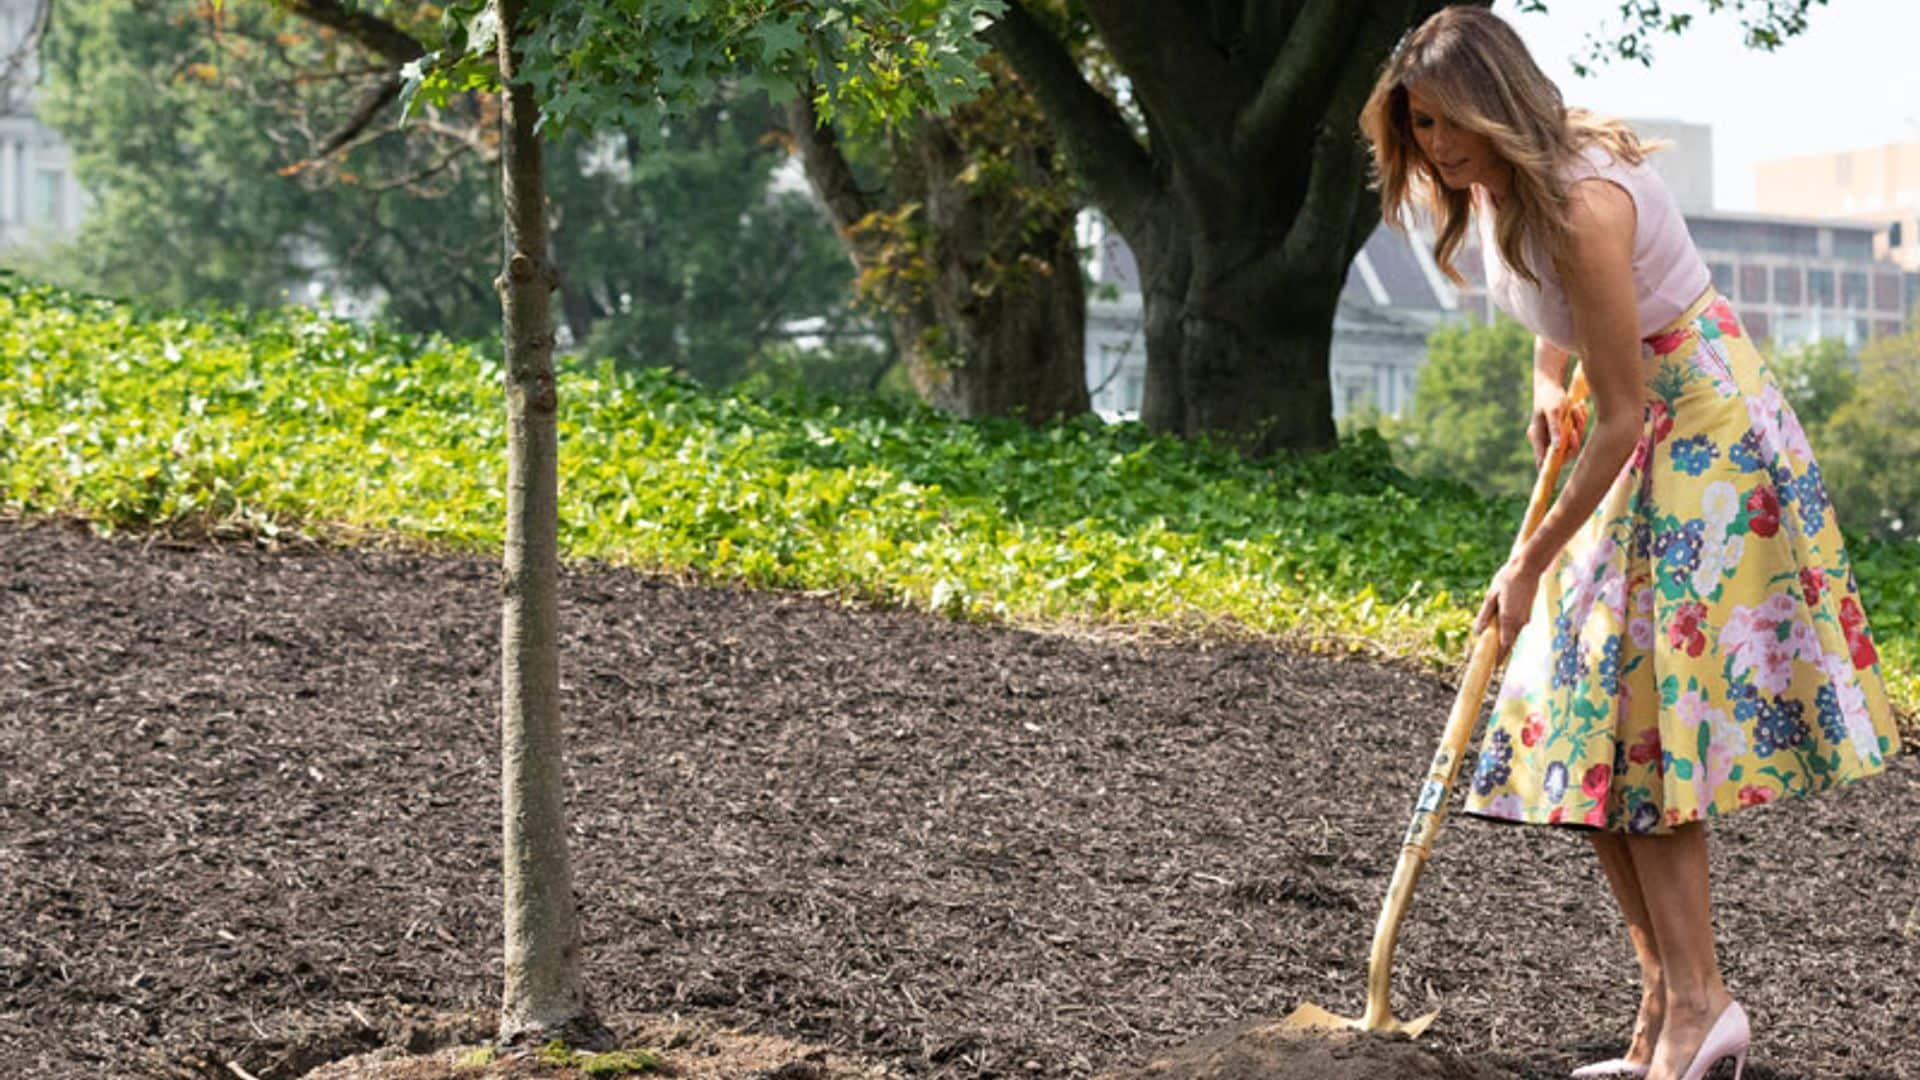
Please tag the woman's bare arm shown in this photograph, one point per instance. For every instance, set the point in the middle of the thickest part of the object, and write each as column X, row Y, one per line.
column 1549, row 365
column 1597, row 274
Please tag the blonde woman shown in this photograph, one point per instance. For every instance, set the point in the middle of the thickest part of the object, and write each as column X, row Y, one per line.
column 1683, row 630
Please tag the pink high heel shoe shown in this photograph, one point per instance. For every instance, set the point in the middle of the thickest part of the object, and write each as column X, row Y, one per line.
column 1728, row 1039
column 1610, row 1067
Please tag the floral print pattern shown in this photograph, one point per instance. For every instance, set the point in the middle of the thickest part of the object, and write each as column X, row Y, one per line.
column 1699, row 647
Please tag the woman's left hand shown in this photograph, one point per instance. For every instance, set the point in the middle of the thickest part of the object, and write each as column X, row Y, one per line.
column 1509, row 602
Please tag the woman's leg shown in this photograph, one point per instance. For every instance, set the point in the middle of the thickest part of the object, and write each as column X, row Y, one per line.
column 1617, row 863
column 1672, row 871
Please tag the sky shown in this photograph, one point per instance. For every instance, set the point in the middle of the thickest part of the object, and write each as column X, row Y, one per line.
column 1849, row 82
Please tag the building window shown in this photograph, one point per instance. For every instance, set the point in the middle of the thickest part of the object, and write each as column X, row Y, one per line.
column 45, row 206
column 1794, row 329
column 1753, row 283
column 1756, row 325
column 1886, row 292
column 1820, row 288
column 1856, row 333
column 1358, row 394
column 1132, row 389
column 1786, row 285
column 1853, row 288
column 1854, row 244
column 1885, row 328
column 1722, row 277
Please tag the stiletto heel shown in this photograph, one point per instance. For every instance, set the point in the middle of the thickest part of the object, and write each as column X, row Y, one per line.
column 1728, row 1038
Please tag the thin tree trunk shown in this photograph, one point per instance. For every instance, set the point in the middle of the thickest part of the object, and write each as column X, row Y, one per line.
column 542, row 998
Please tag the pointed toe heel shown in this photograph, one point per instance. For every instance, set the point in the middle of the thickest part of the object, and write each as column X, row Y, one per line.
column 1729, row 1038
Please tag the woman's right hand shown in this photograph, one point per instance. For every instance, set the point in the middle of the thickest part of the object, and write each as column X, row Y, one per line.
column 1549, row 396
column 1541, row 429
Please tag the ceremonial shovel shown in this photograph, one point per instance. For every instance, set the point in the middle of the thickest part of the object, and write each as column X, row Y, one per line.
column 1432, row 805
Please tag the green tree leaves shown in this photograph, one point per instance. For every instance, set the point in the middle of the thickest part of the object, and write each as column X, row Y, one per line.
column 629, row 64
column 1468, row 420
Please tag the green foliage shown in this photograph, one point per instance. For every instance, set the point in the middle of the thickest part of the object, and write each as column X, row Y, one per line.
column 1817, row 379
column 1869, row 448
column 679, row 257
column 1468, row 418
column 850, row 368
column 597, row 65
column 613, row 1063
column 185, row 210
column 1764, row 25
column 620, row 1063
column 287, row 421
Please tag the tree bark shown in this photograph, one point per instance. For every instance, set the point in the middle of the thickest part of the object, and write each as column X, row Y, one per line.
column 983, row 290
column 1243, row 202
column 542, row 998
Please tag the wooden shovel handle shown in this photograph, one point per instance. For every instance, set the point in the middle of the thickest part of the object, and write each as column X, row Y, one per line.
column 1431, row 807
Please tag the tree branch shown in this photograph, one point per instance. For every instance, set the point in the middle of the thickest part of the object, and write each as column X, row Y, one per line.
column 1266, row 22
column 1335, row 185
column 827, row 168
column 1290, row 95
column 22, row 54
column 1169, row 62
column 376, row 99
column 1111, row 161
column 371, row 31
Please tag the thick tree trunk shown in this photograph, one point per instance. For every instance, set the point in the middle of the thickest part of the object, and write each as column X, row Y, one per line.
column 1243, row 200
column 1020, row 353
column 542, row 997
column 1237, row 344
column 985, row 297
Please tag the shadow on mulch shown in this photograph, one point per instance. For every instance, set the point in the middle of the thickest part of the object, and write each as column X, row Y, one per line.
column 250, row 806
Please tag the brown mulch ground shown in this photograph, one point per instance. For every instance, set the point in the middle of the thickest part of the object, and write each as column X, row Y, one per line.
column 249, row 813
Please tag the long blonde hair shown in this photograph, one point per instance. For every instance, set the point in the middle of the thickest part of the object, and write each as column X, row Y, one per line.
column 1477, row 71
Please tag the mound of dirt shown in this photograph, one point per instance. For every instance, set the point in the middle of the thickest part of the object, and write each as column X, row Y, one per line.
column 1261, row 1050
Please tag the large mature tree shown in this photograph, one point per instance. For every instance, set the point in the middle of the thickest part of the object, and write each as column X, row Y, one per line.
column 961, row 227
column 1243, row 199
column 967, row 241
column 1234, row 170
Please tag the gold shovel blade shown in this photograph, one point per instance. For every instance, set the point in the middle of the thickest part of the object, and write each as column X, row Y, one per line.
column 1312, row 1018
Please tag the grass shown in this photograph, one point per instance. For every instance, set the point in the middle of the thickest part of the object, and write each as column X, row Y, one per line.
column 286, row 422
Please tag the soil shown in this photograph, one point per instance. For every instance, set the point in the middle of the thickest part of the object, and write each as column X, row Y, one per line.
column 250, row 815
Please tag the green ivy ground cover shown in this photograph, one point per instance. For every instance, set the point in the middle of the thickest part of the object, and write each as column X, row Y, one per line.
column 287, row 421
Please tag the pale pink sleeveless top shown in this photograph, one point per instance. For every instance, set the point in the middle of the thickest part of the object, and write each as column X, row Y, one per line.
column 1668, row 273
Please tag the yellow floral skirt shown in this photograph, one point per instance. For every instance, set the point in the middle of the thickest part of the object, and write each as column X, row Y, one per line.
column 1699, row 646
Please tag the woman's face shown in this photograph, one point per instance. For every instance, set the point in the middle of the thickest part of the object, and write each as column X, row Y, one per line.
column 1462, row 157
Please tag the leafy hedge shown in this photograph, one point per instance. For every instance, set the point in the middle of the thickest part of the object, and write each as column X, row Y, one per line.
column 286, row 420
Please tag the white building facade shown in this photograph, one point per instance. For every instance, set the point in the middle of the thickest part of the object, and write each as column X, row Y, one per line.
column 39, row 197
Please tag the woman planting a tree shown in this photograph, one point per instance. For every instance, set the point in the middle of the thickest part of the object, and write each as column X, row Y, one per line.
column 1684, row 632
